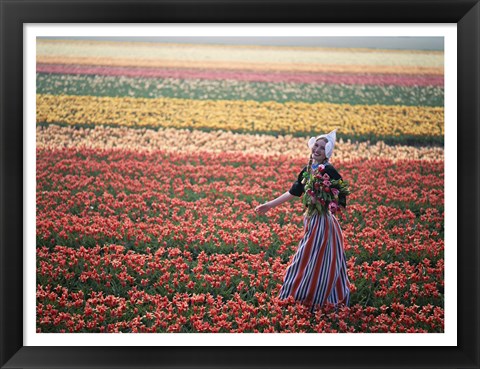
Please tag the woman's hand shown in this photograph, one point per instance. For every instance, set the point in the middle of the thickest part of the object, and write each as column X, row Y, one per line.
column 262, row 209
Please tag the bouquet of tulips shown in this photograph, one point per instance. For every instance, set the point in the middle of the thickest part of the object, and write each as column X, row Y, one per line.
column 322, row 192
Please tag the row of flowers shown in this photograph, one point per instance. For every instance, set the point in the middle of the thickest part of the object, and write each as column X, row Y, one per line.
column 238, row 90
column 231, row 53
column 63, row 310
column 404, row 80
column 183, row 224
column 247, row 116
column 192, row 141
column 222, row 65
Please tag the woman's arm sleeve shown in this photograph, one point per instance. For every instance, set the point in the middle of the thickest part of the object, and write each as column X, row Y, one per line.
column 298, row 188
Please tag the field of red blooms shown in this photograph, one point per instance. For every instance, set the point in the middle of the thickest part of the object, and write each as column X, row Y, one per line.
column 169, row 242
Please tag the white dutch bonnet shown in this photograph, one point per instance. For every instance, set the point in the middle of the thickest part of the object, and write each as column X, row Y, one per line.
column 331, row 138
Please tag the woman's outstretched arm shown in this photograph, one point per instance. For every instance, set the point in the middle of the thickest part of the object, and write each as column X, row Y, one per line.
column 262, row 209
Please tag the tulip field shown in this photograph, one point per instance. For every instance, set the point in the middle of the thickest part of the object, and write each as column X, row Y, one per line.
column 151, row 158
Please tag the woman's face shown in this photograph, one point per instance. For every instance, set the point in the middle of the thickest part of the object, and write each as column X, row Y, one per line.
column 318, row 151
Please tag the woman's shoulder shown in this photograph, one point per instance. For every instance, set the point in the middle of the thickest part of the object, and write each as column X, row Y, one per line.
column 300, row 174
column 304, row 169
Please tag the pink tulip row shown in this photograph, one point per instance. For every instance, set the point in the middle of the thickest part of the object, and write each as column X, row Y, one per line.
column 246, row 75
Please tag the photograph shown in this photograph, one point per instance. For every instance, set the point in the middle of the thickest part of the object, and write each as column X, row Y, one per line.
column 239, row 194
column 232, row 185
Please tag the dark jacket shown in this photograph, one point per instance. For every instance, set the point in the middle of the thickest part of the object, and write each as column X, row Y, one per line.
column 298, row 189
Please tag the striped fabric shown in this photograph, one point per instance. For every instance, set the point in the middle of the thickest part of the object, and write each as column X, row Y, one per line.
column 318, row 272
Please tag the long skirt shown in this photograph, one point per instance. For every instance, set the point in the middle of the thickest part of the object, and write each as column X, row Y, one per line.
column 318, row 272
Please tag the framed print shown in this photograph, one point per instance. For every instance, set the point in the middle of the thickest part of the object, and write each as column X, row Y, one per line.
column 151, row 156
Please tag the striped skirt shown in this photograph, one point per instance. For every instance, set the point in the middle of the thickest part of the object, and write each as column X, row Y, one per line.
column 318, row 272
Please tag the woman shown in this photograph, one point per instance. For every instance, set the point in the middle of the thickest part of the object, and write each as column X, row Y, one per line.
column 318, row 272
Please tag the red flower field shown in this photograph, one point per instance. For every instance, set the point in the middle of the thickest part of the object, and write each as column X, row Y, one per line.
column 163, row 242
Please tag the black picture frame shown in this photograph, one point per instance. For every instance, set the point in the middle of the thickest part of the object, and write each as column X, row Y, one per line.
column 14, row 14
